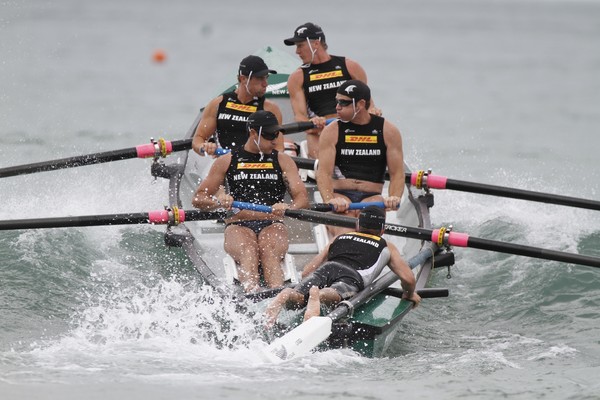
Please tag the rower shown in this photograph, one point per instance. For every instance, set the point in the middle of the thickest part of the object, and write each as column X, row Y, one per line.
column 349, row 264
column 255, row 173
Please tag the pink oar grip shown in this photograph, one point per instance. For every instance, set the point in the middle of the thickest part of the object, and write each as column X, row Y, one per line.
column 454, row 238
column 436, row 181
column 158, row 217
column 148, row 150
column 458, row 239
column 164, row 216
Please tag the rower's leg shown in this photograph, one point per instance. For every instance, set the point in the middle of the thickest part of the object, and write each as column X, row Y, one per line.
column 313, row 307
column 273, row 243
column 329, row 296
column 241, row 245
column 288, row 297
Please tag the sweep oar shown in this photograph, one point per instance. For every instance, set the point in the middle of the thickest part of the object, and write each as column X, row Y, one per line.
column 155, row 149
column 160, row 148
column 424, row 180
column 444, row 236
column 308, row 335
column 171, row 216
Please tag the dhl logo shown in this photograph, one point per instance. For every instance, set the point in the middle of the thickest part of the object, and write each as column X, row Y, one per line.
column 326, row 75
column 245, row 165
column 360, row 139
column 241, row 107
column 373, row 237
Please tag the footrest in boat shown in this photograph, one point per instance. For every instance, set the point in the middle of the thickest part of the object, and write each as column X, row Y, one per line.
column 290, row 274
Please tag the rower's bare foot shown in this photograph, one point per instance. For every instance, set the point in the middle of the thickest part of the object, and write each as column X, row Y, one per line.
column 313, row 307
column 271, row 314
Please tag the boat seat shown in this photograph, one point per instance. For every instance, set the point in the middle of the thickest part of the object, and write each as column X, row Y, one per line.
column 290, row 274
column 320, row 231
column 306, row 173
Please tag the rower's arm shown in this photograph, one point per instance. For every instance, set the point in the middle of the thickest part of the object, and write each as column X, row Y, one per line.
column 205, row 198
column 401, row 268
column 395, row 159
column 207, row 125
column 294, row 184
column 327, row 143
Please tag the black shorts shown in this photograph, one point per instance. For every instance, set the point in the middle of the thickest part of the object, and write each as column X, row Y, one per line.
column 346, row 281
column 256, row 225
column 356, row 196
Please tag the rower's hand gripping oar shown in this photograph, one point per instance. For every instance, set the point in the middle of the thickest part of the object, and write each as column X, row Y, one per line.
column 154, row 149
column 445, row 236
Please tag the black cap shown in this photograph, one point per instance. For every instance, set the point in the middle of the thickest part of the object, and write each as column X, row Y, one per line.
column 306, row 31
column 355, row 89
column 254, row 65
column 372, row 217
column 265, row 119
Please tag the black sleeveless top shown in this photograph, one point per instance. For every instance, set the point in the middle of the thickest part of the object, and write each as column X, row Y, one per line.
column 253, row 180
column 321, row 82
column 360, row 152
column 360, row 251
column 231, row 119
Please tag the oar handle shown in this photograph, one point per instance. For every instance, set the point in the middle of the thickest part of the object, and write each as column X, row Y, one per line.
column 316, row 207
column 352, row 206
column 242, row 205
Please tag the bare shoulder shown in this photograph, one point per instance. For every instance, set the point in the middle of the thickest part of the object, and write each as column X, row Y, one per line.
column 286, row 162
column 356, row 70
column 221, row 164
column 213, row 105
column 274, row 108
column 295, row 79
column 390, row 130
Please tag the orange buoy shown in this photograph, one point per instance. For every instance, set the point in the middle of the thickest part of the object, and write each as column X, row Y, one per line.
column 159, row 56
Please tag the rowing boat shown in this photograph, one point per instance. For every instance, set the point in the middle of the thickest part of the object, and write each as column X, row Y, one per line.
column 366, row 322
column 369, row 324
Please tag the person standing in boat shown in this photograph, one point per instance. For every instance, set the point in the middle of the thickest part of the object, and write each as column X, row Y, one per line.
column 349, row 264
column 223, row 122
column 255, row 173
column 354, row 153
column 313, row 85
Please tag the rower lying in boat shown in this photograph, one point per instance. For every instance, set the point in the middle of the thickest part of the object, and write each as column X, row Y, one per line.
column 351, row 262
column 255, row 173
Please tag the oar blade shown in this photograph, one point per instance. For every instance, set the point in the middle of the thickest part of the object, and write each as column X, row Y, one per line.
column 299, row 341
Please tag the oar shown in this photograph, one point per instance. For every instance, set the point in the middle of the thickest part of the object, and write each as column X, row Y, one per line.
column 172, row 216
column 421, row 179
column 444, row 236
column 156, row 149
column 425, row 180
column 160, row 148
column 308, row 335
column 315, row 207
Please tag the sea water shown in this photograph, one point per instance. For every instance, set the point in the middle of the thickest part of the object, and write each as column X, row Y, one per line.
column 499, row 92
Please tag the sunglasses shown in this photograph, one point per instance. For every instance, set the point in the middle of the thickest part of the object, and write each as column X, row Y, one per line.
column 343, row 103
column 268, row 135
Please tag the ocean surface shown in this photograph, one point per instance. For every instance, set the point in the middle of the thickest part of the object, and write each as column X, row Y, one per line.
column 498, row 92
